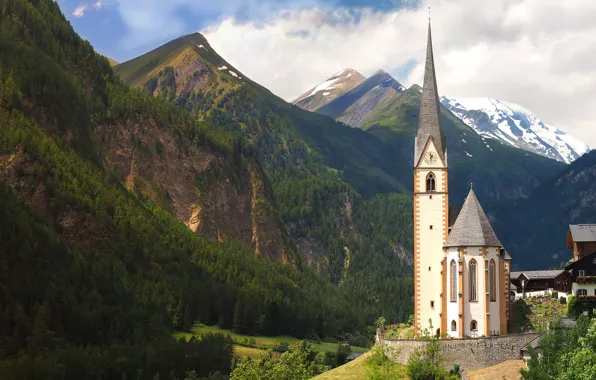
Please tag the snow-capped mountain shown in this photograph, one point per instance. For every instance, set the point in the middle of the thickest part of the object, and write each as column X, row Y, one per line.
column 512, row 124
column 332, row 88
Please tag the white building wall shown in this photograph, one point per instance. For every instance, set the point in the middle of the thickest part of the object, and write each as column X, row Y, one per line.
column 590, row 288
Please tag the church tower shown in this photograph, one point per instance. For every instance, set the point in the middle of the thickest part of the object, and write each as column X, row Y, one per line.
column 430, row 205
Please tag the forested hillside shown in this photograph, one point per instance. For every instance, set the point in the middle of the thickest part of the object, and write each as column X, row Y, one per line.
column 99, row 263
column 536, row 227
column 323, row 173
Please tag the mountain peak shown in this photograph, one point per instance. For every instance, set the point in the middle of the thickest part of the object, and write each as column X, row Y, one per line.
column 330, row 89
column 514, row 125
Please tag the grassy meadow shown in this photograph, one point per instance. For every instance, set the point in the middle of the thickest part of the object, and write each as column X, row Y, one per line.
column 258, row 346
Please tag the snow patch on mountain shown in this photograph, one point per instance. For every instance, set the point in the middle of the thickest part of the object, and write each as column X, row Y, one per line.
column 337, row 80
column 511, row 124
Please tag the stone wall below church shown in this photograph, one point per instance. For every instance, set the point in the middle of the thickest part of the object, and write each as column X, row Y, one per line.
column 469, row 353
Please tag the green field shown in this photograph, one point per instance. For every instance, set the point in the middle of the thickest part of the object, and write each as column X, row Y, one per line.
column 260, row 342
column 364, row 368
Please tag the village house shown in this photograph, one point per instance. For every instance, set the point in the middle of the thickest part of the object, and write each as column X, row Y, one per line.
column 582, row 238
column 540, row 282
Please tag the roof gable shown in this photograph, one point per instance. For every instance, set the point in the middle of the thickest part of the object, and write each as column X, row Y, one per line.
column 586, row 257
column 472, row 228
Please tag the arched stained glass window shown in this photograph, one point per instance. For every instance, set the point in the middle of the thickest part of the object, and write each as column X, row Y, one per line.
column 492, row 281
column 473, row 282
column 453, row 281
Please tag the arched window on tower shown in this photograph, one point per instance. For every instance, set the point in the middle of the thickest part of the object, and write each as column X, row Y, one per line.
column 453, row 281
column 473, row 284
column 492, row 281
column 430, row 182
column 453, row 326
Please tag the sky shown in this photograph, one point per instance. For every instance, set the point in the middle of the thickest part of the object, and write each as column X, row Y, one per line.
column 539, row 54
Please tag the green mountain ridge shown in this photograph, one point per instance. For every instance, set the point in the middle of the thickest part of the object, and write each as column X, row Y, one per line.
column 325, row 175
column 98, row 265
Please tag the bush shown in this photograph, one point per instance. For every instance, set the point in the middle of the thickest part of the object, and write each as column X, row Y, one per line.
column 343, row 350
column 555, row 295
column 571, row 310
column 282, row 347
column 426, row 364
column 359, row 341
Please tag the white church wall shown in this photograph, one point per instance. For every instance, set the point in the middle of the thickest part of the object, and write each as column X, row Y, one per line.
column 452, row 307
column 474, row 310
column 494, row 306
column 431, row 221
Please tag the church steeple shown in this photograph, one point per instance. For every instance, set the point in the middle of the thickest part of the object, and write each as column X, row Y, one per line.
column 429, row 124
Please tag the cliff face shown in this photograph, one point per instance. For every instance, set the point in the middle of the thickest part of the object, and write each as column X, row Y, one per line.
column 197, row 185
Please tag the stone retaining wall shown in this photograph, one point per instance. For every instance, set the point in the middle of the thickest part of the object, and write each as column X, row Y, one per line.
column 469, row 353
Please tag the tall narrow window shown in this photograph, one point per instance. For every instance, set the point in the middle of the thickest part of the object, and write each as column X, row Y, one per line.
column 453, row 281
column 430, row 182
column 492, row 281
column 453, row 326
column 473, row 292
column 474, row 326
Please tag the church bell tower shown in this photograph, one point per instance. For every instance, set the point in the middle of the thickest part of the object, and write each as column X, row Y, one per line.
column 430, row 206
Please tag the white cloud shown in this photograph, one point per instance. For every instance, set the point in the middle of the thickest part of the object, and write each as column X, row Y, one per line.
column 81, row 8
column 537, row 53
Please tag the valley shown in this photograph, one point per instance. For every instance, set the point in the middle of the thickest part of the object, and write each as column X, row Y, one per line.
column 173, row 196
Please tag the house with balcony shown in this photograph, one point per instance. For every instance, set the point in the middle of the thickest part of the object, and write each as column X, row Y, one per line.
column 583, row 276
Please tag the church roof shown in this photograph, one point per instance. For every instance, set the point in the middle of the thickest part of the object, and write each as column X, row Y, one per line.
column 472, row 228
column 429, row 123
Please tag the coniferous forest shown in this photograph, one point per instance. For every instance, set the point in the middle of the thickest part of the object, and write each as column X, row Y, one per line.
column 95, row 277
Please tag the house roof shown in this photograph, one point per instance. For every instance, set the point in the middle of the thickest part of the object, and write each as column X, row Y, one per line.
column 429, row 123
column 537, row 274
column 353, row 355
column 583, row 232
column 472, row 228
column 588, row 256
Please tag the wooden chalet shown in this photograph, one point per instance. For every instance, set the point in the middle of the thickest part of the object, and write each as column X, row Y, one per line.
column 541, row 280
column 582, row 238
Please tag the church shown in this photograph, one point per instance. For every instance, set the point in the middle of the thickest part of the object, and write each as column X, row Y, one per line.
column 461, row 272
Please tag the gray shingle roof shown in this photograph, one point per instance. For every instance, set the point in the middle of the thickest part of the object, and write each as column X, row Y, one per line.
column 583, row 232
column 537, row 274
column 429, row 124
column 472, row 228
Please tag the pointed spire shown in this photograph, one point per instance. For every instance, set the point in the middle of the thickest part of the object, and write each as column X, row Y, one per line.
column 429, row 124
column 472, row 228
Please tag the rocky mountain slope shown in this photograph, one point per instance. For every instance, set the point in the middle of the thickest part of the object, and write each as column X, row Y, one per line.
column 384, row 108
column 513, row 125
column 330, row 89
column 355, row 106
